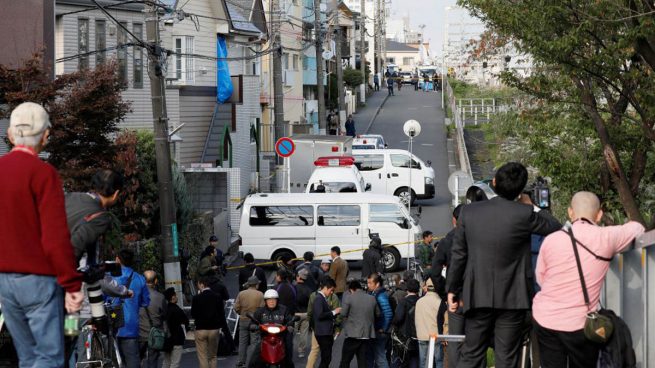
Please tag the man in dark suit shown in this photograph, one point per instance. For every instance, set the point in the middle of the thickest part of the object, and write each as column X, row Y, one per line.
column 359, row 311
column 490, row 267
column 324, row 321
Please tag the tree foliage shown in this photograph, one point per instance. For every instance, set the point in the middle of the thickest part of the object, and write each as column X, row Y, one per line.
column 591, row 58
column 85, row 108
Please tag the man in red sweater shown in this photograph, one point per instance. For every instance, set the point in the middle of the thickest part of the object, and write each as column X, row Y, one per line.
column 37, row 264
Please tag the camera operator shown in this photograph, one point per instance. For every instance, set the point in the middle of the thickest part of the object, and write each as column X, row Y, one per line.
column 88, row 220
column 372, row 258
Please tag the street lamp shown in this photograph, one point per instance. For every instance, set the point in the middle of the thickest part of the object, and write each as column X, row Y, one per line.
column 412, row 128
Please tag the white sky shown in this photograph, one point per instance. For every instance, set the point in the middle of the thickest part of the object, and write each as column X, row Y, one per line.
column 432, row 13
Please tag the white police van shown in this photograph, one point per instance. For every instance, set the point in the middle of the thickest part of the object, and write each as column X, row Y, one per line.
column 336, row 174
column 388, row 171
column 278, row 224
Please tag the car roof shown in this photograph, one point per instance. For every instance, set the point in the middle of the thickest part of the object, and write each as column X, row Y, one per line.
column 318, row 198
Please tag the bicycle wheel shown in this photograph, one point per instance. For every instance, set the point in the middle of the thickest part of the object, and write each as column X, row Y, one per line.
column 97, row 351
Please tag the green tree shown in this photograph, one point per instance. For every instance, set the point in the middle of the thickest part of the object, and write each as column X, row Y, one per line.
column 85, row 108
column 352, row 77
column 586, row 58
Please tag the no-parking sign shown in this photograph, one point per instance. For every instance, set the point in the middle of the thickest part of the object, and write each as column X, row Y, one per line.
column 284, row 147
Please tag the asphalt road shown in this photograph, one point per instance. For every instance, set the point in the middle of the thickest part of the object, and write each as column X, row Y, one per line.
column 431, row 144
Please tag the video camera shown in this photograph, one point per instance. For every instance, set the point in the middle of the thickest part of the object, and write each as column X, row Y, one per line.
column 96, row 272
column 92, row 276
column 539, row 193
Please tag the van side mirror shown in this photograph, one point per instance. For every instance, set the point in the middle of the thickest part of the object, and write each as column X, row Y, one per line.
column 386, row 145
column 405, row 224
column 368, row 187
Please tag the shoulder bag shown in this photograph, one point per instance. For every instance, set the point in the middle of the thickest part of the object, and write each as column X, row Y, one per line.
column 156, row 336
column 598, row 326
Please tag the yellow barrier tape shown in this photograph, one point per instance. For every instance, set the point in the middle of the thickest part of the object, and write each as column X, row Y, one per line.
column 327, row 254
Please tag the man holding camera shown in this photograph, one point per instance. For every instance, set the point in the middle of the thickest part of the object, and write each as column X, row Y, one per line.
column 37, row 264
column 494, row 253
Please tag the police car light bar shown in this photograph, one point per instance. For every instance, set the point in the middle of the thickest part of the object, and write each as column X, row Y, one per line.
column 335, row 161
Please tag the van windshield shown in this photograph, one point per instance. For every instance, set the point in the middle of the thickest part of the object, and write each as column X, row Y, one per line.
column 333, row 187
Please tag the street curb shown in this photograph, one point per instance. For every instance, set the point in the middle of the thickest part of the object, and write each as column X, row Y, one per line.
column 377, row 112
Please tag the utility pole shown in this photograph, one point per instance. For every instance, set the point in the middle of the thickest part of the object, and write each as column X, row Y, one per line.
column 320, row 90
column 342, row 97
column 376, row 42
column 156, row 58
column 278, row 92
column 362, row 53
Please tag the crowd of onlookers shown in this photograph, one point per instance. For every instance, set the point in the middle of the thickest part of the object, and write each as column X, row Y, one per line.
column 507, row 273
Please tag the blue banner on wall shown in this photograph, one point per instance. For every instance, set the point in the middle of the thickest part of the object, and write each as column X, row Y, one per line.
column 224, row 86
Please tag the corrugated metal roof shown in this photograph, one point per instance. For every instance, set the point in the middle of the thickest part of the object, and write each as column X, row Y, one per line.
column 240, row 21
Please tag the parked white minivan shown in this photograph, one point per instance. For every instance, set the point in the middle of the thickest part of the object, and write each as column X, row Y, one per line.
column 388, row 171
column 278, row 224
column 369, row 141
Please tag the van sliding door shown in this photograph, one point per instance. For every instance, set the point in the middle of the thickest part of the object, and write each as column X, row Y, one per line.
column 339, row 225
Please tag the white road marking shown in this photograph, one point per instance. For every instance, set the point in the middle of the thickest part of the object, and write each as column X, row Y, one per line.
column 427, row 144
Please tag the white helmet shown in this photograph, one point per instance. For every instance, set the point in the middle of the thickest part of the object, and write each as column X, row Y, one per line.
column 271, row 294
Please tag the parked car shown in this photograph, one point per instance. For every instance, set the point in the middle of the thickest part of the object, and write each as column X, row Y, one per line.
column 369, row 141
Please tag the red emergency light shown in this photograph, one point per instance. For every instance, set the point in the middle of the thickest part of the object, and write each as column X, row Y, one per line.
column 335, row 161
column 335, row 148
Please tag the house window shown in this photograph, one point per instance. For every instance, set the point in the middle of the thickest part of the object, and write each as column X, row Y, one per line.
column 285, row 61
column 101, row 41
column 138, row 57
column 121, row 39
column 184, row 63
column 83, row 42
column 408, row 61
column 295, row 62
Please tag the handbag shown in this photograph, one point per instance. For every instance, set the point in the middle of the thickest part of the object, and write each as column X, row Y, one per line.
column 598, row 327
column 156, row 336
column 115, row 312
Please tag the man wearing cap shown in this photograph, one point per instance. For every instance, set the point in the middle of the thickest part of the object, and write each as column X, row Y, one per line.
column 37, row 263
column 425, row 318
column 372, row 258
column 326, row 262
column 248, row 301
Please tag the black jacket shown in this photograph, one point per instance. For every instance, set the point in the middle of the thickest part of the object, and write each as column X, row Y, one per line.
column 440, row 260
column 247, row 271
column 323, row 317
column 371, row 262
column 207, row 311
column 279, row 315
column 287, row 293
column 302, row 297
column 403, row 321
column 490, row 258
column 175, row 318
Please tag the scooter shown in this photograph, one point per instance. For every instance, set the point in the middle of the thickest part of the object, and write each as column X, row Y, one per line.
column 273, row 351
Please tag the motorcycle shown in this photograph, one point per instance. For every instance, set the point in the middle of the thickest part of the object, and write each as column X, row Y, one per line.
column 273, row 349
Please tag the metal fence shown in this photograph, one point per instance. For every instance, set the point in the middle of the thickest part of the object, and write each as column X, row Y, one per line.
column 627, row 293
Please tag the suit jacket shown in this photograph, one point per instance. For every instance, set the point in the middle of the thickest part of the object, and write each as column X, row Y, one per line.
column 490, row 258
column 323, row 317
column 359, row 311
column 339, row 272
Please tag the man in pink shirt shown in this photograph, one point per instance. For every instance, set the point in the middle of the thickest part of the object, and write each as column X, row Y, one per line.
column 559, row 309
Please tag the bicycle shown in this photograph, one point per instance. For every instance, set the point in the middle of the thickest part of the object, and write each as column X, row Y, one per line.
column 100, row 350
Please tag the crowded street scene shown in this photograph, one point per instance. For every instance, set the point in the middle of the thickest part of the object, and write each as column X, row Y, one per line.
column 327, row 183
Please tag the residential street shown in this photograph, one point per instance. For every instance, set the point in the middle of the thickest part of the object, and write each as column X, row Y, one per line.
column 431, row 145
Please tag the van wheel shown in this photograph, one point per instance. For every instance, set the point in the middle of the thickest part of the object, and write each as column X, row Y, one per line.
column 404, row 195
column 391, row 259
column 282, row 253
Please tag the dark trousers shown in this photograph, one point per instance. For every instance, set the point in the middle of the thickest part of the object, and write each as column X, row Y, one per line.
column 390, row 88
column 354, row 347
column 556, row 348
column 325, row 343
column 456, row 323
column 505, row 325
